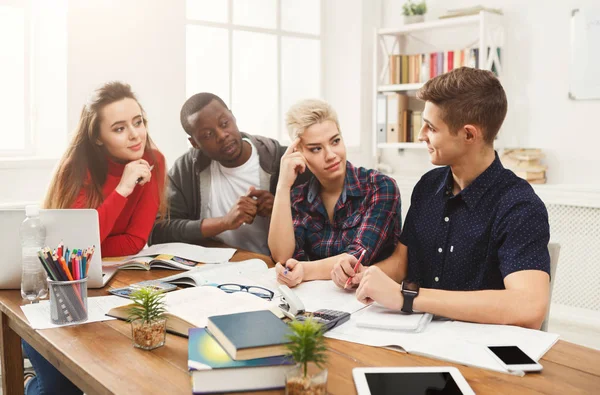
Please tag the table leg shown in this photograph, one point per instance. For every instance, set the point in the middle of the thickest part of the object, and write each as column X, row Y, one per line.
column 12, row 358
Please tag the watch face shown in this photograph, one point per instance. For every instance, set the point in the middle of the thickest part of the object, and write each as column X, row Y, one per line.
column 413, row 287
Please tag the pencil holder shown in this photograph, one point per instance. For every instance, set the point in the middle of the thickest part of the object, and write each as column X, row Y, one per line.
column 68, row 301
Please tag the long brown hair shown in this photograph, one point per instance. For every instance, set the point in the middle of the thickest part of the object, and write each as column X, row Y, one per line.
column 84, row 156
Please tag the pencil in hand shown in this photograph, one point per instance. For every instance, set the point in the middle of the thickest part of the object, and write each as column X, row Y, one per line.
column 355, row 268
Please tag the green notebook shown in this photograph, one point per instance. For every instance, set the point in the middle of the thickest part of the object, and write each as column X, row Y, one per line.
column 255, row 334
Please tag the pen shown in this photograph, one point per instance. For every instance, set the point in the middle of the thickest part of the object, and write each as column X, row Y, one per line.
column 140, row 178
column 355, row 268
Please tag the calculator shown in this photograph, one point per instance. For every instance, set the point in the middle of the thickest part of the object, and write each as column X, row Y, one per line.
column 328, row 318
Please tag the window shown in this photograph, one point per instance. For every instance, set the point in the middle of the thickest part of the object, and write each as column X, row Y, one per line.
column 33, row 98
column 259, row 56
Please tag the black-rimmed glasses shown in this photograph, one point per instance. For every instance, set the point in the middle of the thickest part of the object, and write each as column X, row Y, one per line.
column 252, row 289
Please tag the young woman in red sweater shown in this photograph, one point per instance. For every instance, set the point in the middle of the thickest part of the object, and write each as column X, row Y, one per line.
column 110, row 165
column 113, row 166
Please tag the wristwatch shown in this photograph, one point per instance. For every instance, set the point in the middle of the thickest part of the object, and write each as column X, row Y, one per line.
column 409, row 291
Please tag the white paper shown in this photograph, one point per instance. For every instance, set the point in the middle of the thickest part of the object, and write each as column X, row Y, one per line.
column 324, row 294
column 38, row 314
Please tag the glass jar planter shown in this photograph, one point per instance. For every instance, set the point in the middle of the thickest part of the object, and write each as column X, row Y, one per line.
column 148, row 335
column 314, row 383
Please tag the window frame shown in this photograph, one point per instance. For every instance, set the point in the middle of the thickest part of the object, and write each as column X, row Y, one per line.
column 28, row 130
column 279, row 33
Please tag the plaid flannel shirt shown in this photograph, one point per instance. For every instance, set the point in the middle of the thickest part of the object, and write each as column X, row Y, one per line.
column 366, row 217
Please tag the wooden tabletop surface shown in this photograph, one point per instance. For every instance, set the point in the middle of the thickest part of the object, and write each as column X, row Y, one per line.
column 100, row 359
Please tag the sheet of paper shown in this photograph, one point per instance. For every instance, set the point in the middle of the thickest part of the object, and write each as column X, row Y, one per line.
column 533, row 343
column 324, row 294
column 38, row 314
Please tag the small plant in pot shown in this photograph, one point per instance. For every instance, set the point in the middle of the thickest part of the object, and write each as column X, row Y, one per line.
column 147, row 318
column 414, row 12
column 307, row 348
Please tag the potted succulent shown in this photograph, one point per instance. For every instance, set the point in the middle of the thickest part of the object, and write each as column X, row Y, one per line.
column 147, row 318
column 414, row 12
column 307, row 349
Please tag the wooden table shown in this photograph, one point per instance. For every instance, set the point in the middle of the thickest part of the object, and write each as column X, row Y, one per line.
column 100, row 359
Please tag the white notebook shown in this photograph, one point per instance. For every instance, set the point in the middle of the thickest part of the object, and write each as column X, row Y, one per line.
column 379, row 317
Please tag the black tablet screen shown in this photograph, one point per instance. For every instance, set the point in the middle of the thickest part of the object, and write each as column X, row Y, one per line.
column 412, row 383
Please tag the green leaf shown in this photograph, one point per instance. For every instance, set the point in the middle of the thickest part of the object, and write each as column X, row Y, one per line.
column 307, row 343
column 411, row 8
column 148, row 305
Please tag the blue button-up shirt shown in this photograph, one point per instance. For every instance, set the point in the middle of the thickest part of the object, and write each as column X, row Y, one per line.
column 470, row 241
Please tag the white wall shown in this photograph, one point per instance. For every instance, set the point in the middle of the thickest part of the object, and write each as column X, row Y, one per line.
column 141, row 42
column 536, row 57
column 347, row 68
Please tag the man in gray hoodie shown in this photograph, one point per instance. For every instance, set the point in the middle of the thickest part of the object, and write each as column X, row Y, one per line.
column 224, row 186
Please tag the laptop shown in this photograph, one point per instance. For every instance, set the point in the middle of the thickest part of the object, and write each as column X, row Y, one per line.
column 76, row 228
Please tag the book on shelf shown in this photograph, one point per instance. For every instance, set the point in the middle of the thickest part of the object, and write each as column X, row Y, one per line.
column 457, row 12
column 249, row 335
column 525, row 163
column 174, row 256
column 191, row 307
column 419, row 68
column 213, row 370
column 417, row 123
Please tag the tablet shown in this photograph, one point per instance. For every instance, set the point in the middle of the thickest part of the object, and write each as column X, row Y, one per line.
column 414, row 380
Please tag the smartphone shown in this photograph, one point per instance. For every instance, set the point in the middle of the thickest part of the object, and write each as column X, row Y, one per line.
column 513, row 358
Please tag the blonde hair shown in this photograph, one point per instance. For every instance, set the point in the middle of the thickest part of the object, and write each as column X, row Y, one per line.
column 306, row 113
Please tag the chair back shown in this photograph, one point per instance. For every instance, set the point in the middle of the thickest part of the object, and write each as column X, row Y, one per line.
column 554, row 250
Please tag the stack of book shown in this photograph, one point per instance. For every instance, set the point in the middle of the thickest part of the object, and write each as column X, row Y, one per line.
column 239, row 352
column 525, row 163
column 469, row 11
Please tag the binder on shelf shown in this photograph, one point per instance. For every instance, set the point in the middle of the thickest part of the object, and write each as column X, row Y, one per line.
column 393, row 123
column 381, row 118
column 417, row 123
column 404, row 73
column 397, row 104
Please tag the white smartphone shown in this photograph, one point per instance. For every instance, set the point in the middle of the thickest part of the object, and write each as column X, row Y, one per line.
column 513, row 358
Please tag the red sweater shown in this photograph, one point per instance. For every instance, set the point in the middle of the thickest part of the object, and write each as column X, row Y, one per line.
column 126, row 222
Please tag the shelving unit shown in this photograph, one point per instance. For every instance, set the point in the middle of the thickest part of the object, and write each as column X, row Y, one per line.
column 484, row 30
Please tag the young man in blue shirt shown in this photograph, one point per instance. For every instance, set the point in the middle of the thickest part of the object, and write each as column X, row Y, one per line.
column 475, row 242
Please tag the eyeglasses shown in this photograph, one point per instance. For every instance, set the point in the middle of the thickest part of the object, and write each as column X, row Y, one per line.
column 252, row 289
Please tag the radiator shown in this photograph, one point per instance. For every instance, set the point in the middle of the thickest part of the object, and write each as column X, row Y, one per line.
column 577, row 230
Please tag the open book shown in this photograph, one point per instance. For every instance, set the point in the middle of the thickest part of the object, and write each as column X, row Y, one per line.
column 249, row 272
column 191, row 307
column 175, row 256
column 453, row 341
